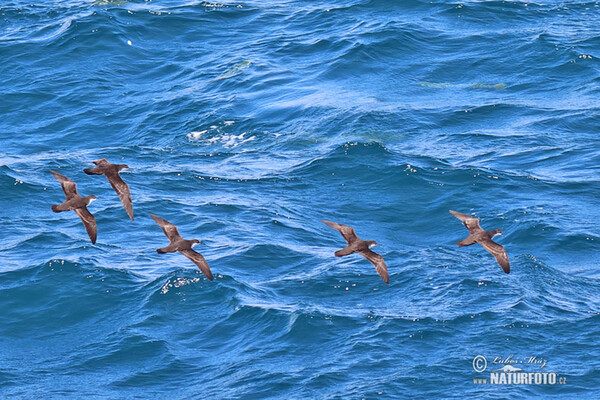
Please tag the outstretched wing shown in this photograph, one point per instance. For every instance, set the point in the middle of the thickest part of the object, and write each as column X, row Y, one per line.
column 68, row 186
column 122, row 190
column 88, row 221
column 346, row 231
column 379, row 264
column 199, row 260
column 470, row 222
column 168, row 228
column 498, row 252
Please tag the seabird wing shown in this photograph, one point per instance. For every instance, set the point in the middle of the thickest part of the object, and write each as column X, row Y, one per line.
column 199, row 260
column 100, row 168
column 122, row 190
column 470, row 222
column 378, row 262
column 88, row 221
column 346, row 231
column 68, row 186
column 101, row 161
column 498, row 252
column 168, row 228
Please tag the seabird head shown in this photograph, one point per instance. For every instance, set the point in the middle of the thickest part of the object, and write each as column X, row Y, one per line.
column 91, row 198
column 196, row 242
column 124, row 166
column 496, row 232
column 372, row 243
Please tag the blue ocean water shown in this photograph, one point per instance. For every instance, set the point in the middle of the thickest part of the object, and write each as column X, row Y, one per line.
column 246, row 124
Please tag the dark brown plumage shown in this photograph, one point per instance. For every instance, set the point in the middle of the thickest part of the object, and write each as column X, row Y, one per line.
column 74, row 202
column 111, row 171
column 363, row 247
column 478, row 235
column 179, row 244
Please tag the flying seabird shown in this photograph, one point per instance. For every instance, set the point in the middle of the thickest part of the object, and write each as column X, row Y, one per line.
column 355, row 244
column 111, row 171
column 181, row 245
column 484, row 238
column 76, row 203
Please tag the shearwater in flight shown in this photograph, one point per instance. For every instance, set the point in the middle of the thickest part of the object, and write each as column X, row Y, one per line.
column 363, row 247
column 179, row 244
column 478, row 235
column 75, row 202
column 111, row 171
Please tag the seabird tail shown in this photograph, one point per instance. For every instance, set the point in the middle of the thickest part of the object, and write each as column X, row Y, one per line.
column 466, row 242
column 92, row 171
column 344, row 252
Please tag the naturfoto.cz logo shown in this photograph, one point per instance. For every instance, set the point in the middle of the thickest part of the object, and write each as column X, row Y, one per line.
column 511, row 373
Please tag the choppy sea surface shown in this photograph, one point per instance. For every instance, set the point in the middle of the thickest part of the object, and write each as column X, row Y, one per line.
column 246, row 124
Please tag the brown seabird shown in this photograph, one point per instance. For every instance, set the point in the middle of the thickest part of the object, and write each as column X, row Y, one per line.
column 363, row 247
column 484, row 238
column 179, row 244
column 75, row 202
column 111, row 171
